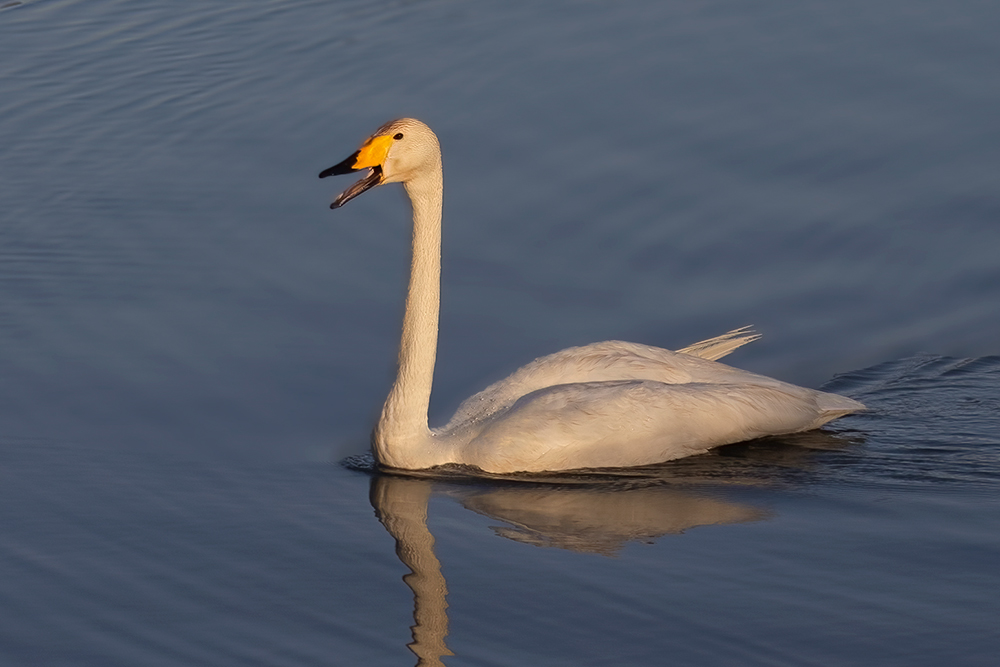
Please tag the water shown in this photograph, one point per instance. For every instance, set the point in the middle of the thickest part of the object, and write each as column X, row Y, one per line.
column 191, row 341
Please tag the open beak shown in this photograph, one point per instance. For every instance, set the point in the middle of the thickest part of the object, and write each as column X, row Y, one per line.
column 370, row 156
column 371, row 179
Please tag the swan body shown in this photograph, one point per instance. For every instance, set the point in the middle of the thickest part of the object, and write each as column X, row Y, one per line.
column 609, row 404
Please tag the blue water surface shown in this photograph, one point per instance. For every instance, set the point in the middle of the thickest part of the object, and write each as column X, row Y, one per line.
column 191, row 341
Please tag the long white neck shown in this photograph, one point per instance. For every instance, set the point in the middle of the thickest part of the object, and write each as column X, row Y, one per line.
column 402, row 438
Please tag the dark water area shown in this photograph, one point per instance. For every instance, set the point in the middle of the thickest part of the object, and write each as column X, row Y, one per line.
column 191, row 341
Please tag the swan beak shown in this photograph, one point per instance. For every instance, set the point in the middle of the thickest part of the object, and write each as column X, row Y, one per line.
column 370, row 156
column 371, row 179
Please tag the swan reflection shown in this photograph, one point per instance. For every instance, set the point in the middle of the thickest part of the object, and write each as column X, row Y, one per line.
column 596, row 521
column 401, row 505
column 588, row 519
column 591, row 512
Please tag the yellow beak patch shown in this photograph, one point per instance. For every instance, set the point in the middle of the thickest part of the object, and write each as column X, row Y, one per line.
column 374, row 152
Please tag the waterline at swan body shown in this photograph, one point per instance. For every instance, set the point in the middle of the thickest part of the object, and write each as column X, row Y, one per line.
column 609, row 404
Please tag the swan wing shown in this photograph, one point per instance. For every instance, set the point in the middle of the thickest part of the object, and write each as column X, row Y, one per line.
column 611, row 361
column 639, row 422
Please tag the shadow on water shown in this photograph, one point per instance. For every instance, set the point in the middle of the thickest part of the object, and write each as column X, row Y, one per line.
column 587, row 511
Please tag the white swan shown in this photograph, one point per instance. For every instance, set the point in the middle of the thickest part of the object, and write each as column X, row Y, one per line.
column 610, row 404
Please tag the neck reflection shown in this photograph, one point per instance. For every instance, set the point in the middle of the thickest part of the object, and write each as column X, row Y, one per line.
column 401, row 505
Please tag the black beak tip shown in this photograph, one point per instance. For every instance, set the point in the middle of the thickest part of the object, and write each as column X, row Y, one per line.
column 345, row 167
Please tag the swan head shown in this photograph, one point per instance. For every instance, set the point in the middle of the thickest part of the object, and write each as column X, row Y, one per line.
column 398, row 152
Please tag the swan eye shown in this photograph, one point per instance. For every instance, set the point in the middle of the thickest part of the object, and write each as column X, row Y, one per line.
column 398, row 136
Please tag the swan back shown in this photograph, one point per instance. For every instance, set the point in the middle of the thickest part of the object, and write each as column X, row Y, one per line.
column 607, row 361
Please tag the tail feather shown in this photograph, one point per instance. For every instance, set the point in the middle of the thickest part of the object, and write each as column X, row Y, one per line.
column 720, row 346
column 835, row 405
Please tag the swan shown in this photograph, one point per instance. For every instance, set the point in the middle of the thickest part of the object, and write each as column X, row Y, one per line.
column 606, row 405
